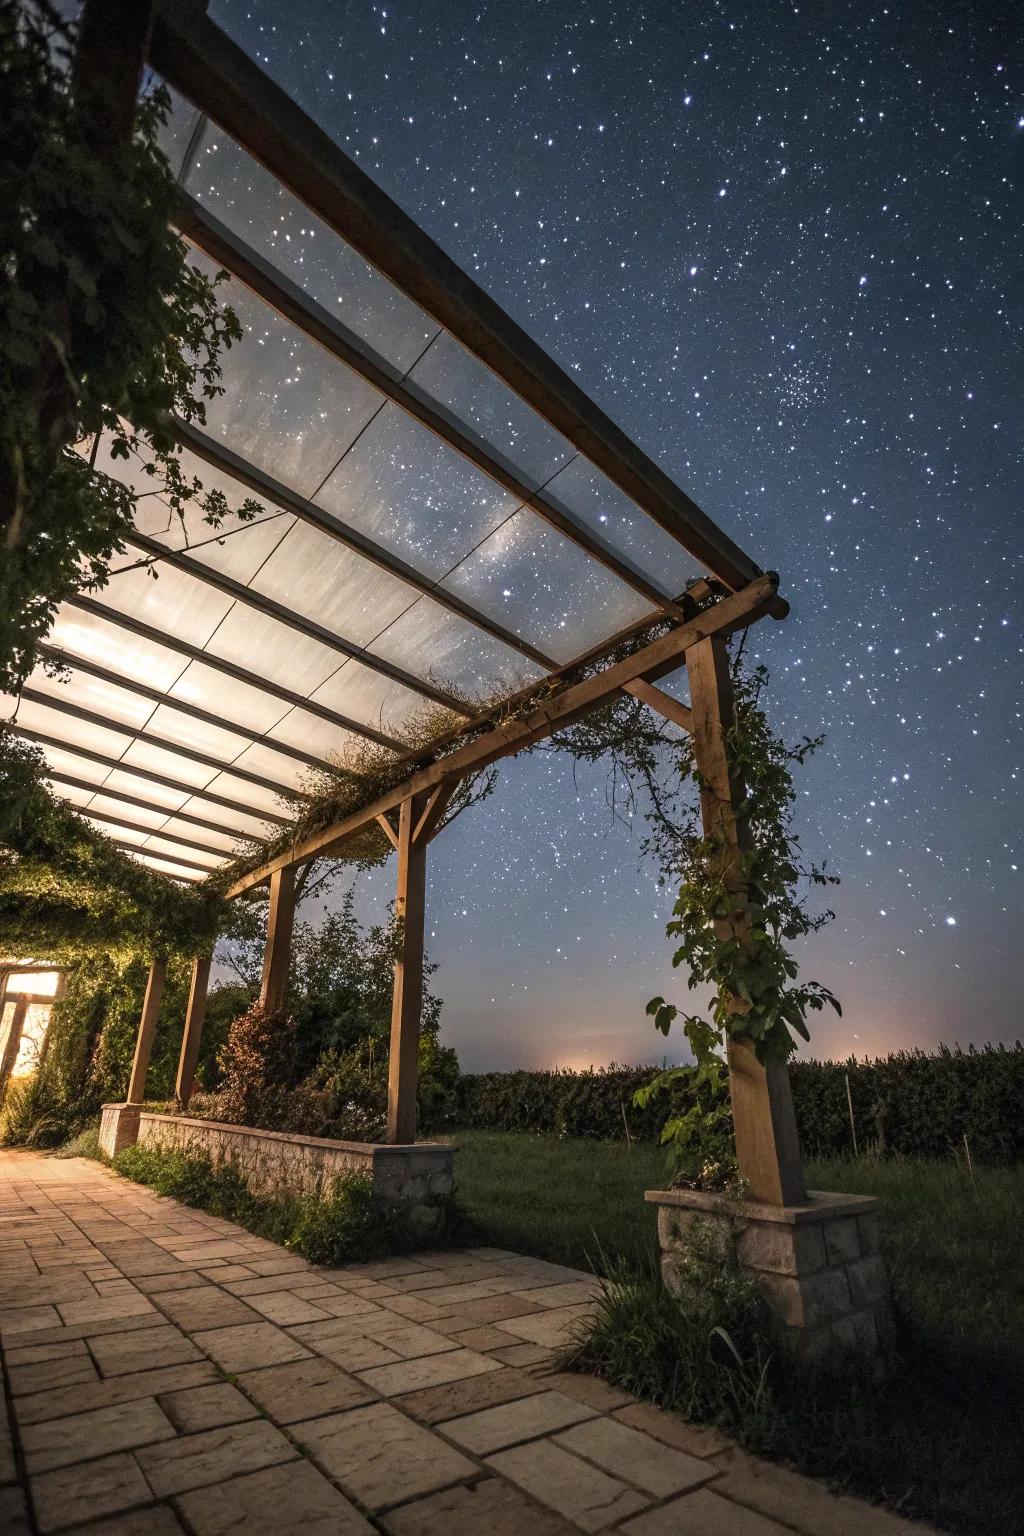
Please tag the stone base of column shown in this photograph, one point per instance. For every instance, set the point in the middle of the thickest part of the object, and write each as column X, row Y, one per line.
column 119, row 1127
column 819, row 1264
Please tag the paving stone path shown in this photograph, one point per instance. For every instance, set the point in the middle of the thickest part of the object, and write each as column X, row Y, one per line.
column 167, row 1372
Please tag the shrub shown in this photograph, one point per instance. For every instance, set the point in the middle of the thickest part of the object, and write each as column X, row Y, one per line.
column 910, row 1103
column 342, row 1225
column 257, row 1063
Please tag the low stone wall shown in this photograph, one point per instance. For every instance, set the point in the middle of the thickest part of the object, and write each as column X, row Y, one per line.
column 416, row 1179
column 819, row 1264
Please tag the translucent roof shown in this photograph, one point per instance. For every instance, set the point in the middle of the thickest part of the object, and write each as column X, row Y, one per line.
column 426, row 539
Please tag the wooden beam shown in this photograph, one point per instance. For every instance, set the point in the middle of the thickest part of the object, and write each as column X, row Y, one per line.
column 165, row 857
column 290, row 301
column 662, row 703
column 192, row 1035
column 407, row 998
column 147, row 1030
column 434, row 808
column 195, row 56
column 392, row 835
column 767, row 1144
column 655, row 660
column 277, row 956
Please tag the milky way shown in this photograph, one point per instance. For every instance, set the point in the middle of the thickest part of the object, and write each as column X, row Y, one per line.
column 780, row 245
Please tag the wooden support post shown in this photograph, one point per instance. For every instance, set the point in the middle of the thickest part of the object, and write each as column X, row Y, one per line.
column 277, row 957
column 767, row 1145
column 192, row 1035
column 407, row 1001
column 147, row 1029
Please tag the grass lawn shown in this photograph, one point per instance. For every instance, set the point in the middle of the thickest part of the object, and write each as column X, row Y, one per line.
column 945, row 1439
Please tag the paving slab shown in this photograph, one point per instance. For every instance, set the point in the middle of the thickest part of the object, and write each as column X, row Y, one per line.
column 426, row 1371
column 435, row 1405
column 583, row 1493
column 486, row 1508
column 197, row 1408
column 526, row 1418
column 118, row 1354
column 101, row 1487
column 275, row 1502
column 104, row 1393
column 704, row 1513
column 121, row 1427
column 194, row 1461
column 305, row 1389
column 251, row 1345
column 382, row 1458
column 635, row 1457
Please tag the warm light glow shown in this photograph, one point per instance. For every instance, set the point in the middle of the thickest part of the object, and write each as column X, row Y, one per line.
column 42, row 983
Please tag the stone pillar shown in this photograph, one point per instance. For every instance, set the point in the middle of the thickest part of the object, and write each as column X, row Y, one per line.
column 818, row 1263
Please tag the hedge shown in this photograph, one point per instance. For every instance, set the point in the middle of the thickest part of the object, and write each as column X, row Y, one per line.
column 909, row 1103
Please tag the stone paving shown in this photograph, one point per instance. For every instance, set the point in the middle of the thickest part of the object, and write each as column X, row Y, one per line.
column 166, row 1372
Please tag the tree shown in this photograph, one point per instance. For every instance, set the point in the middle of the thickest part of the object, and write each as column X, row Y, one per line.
column 105, row 327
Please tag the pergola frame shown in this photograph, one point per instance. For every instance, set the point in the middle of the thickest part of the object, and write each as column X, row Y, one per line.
column 198, row 59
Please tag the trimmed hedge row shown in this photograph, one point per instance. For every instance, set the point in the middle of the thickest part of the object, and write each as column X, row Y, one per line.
column 910, row 1103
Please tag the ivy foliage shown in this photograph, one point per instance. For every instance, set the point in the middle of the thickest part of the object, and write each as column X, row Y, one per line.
column 105, row 327
column 67, row 892
column 741, row 905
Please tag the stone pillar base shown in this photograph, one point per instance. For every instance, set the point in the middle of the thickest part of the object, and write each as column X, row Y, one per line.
column 119, row 1127
column 819, row 1264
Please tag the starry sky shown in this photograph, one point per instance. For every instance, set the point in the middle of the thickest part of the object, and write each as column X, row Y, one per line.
column 780, row 245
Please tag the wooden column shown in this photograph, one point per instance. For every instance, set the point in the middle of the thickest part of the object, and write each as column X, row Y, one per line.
column 407, row 1002
column 192, row 1035
column 147, row 1029
column 277, row 957
column 767, row 1145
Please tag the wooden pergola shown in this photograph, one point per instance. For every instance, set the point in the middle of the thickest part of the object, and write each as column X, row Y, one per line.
column 164, row 737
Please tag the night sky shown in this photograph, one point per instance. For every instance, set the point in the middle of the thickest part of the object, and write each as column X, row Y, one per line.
column 781, row 246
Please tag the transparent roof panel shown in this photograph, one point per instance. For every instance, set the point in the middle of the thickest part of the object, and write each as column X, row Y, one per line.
column 453, row 654
column 413, row 494
column 318, row 576
column 158, row 843
column 239, row 703
column 269, row 764
column 165, row 866
column 371, row 699
column 449, row 376
column 145, row 754
column 257, row 642
column 586, row 492
column 253, row 795
column 95, row 639
column 236, row 189
column 60, row 761
column 219, row 842
column 166, row 599
column 299, row 728
column 172, row 725
column 145, row 789
column 86, row 692
column 545, row 588
column 115, row 807
column 71, row 732
column 288, row 407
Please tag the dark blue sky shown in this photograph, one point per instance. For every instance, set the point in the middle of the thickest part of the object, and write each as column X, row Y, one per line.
column 781, row 245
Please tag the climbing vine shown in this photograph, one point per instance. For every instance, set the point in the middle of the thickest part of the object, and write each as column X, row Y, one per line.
column 738, row 912
column 105, row 327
